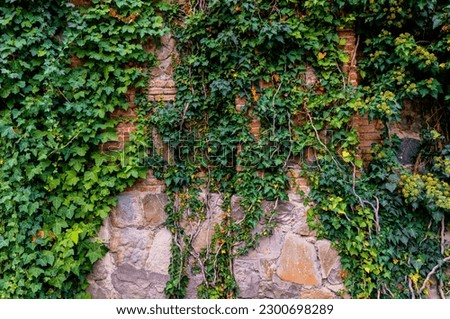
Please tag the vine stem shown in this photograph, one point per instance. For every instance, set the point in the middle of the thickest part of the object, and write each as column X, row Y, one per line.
column 273, row 107
column 431, row 273
column 443, row 235
column 353, row 61
column 320, row 141
column 376, row 208
column 411, row 289
column 65, row 145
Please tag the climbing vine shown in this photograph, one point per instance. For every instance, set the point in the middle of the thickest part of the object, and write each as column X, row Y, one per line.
column 247, row 62
column 64, row 70
column 261, row 90
column 256, row 52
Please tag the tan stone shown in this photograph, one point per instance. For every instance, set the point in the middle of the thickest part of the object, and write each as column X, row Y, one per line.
column 328, row 257
column 317, row 294
column 154, row 212
column 297, row 262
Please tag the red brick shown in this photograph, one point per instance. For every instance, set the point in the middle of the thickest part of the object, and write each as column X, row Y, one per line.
column 81, row 3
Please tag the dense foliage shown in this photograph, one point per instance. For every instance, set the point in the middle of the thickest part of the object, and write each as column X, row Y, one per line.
column 389, row 223
column 386, row 222
column 63, row 71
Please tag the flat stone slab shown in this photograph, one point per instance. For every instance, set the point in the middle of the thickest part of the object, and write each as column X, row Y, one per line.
column 297, row 262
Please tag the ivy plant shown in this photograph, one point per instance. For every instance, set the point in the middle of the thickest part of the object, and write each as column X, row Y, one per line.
column 64, row 69
column 255, row 54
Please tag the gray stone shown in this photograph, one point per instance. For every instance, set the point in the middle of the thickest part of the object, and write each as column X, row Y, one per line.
column 335, row 277
column 97, row 292
column 296, row 200
column 285, row 214
column 129, row 211
column 301, row 227
column 247, row 277
column 100, row 271
column 157, row 285
column 278, row 289
column 270, row 247
column 130, row 245
column 132, row 283
column 409, row 148
column 191, row 289
column 159, row 254
column 167, row 48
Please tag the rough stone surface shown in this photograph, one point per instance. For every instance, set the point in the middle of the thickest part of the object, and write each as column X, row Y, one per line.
column 278, row 289
column 158, row 256
column 128, row 211
column 270, row 247
column 328, row 256
column 134, row 283
column 322, row 293
column 154, row 212
column 246, row 274
column 289, row 264
column 298, row 262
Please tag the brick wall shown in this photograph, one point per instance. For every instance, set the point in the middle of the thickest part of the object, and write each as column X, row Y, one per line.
column 368, row 131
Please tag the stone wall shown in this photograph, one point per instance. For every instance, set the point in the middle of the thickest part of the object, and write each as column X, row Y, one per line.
column 292, row 263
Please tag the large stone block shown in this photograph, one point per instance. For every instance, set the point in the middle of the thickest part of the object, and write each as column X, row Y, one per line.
column 154, row 212
column 129, row 211
column 247, row 277
column 130, row 245
column 328, row 256
column 270, row 247
column 321, row 293
column 278, row 289
column 297, row 262
column 131, row 282
column 159, row 254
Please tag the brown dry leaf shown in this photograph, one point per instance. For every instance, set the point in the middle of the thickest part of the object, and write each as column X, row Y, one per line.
column 40, row 233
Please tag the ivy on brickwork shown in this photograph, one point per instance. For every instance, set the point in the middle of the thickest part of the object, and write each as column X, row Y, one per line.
column 389, row 222
column 249, row 108
column 262, row 89
column 253, row 54
column 64, row 69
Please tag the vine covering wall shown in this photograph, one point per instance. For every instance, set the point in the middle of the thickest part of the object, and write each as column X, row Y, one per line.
column 64, row 69
column 262, row 87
